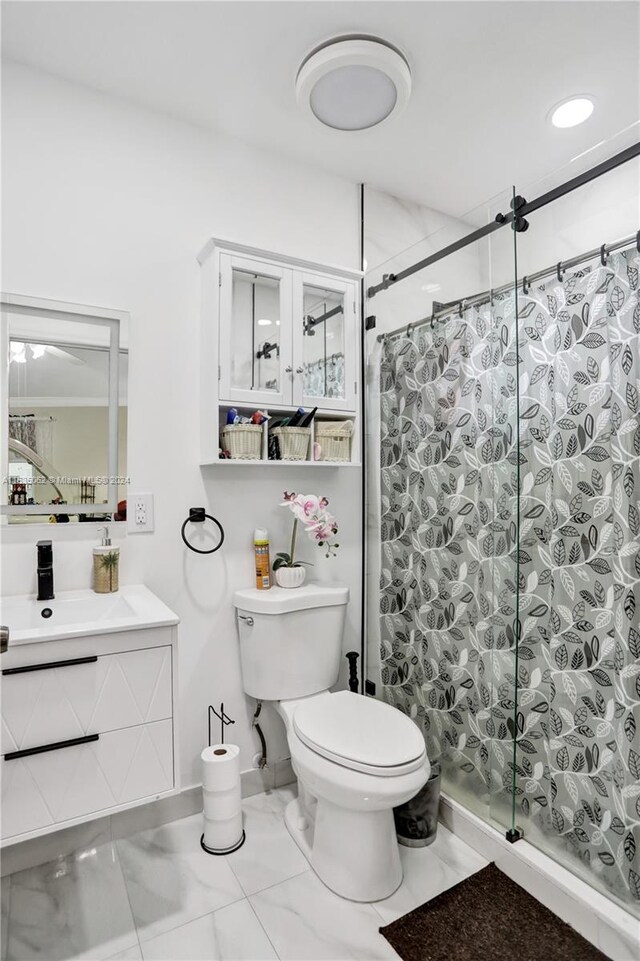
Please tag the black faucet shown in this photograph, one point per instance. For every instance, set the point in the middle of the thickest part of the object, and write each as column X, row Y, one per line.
column 45, row 570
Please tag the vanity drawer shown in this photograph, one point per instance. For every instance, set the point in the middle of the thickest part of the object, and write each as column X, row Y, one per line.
column 73, row 781
column 62, row 700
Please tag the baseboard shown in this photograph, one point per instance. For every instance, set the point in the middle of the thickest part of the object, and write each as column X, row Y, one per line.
column 596, row 917
column 101, row 830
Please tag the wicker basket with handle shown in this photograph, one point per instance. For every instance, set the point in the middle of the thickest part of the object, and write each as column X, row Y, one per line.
column 334, row 438
column 243, row 441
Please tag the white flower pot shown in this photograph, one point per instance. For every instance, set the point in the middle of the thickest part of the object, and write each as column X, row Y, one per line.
column 290, row 576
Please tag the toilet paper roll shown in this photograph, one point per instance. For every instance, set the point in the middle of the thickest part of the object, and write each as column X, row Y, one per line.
column 220, row 767
column 221, row 836
column 222, row 800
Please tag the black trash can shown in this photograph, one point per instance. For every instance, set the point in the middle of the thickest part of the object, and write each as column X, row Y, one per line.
column 417, row 820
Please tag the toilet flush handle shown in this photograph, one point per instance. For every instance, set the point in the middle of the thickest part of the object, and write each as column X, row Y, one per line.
column 248, row 620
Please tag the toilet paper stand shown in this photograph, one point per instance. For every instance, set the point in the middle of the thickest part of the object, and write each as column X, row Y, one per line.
column 222, row 717
column 228, row 790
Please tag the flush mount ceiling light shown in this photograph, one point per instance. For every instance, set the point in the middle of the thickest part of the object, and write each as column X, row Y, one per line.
column 571, row 112
column 354, row 83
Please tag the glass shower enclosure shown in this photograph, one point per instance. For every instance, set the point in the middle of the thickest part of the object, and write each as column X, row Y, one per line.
column 503, row 458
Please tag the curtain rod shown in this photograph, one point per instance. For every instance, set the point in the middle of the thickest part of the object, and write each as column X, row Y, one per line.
column 520, row 208
column 560, row 268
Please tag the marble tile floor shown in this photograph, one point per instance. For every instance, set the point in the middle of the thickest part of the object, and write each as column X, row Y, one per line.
column 156, row 896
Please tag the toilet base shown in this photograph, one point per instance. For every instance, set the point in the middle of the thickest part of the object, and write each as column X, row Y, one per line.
column 355, row 853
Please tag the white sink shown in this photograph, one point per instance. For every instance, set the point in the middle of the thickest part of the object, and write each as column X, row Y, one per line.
column 76, row 613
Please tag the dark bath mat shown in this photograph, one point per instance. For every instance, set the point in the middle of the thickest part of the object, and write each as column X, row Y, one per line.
column 487, row 916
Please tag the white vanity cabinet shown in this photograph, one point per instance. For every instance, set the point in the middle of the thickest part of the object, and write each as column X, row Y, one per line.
column 87, row 728
column 277, row 334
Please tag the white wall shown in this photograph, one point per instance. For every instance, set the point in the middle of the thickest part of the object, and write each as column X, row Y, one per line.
column 107, row 204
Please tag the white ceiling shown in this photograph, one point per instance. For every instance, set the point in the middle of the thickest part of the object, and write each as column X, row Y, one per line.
column 485, row 76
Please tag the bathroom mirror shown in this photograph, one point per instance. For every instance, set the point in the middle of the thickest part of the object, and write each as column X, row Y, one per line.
column 255, row 331
column 323, row 342
column 64, row 416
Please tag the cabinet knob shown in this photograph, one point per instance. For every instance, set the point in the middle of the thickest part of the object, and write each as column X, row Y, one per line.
column 288, row 370
column 299, row 370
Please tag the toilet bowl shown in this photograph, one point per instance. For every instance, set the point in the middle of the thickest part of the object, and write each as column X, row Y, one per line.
column 355, row 757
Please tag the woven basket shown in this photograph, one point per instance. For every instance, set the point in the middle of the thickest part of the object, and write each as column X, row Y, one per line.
column 243, row 441
column 334, row 438
column 294, row 442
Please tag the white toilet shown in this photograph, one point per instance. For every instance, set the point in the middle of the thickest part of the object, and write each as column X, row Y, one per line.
column 355, row 758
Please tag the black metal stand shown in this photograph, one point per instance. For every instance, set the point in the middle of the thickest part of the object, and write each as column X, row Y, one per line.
column 222, row 717
column 224, row 720
column 236, row 847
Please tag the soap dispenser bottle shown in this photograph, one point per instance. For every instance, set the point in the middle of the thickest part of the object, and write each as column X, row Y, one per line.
column 106, row 564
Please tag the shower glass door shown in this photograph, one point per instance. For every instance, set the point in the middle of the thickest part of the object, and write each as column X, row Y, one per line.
column 578, row 752
column 443, row 505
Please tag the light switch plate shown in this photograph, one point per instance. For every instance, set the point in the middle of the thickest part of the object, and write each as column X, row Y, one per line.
column 140, row 513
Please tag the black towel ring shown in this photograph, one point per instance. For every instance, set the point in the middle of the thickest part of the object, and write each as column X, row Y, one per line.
column 197, row 515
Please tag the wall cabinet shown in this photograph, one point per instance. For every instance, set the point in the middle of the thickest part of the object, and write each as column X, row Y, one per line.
column 280, row 333
column 87, row 728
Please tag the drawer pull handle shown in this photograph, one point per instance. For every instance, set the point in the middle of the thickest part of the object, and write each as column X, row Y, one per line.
column 45, row 667
column 56, row 746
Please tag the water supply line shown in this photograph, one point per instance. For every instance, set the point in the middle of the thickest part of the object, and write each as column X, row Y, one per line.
column 262, row 763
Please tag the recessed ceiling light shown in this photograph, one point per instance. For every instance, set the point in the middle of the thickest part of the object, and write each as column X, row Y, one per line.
column 264, row 323
column 572, row 112
column 354, row 83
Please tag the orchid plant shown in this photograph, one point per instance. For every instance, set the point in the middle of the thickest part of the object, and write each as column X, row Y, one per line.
column 311, row 511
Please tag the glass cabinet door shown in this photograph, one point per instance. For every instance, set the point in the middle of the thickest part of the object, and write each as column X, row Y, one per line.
column 324, row 332
column 255, row 332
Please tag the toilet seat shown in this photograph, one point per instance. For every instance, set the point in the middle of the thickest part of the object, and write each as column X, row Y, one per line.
column 360, row 733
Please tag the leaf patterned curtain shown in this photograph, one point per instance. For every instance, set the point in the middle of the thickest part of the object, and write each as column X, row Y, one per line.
column 578, row 762
column 22, row 427
column 448, row 511
column 325, row 377
column 450, row 558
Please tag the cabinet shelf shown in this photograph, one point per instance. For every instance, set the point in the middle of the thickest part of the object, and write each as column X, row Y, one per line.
column 279, row 463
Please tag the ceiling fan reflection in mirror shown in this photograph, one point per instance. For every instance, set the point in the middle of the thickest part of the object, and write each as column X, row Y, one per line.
column 19, row 353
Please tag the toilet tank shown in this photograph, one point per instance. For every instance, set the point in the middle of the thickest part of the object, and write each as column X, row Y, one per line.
column 290, row 640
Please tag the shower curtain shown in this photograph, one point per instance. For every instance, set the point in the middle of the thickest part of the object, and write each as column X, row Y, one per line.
column 459, row 587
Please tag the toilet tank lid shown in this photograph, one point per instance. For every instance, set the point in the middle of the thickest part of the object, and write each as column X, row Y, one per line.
column 280, row 600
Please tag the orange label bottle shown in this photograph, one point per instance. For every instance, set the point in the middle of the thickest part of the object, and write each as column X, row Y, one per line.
column 263, row 567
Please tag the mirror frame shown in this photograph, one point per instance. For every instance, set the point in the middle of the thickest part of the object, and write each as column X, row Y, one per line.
column 116, row 321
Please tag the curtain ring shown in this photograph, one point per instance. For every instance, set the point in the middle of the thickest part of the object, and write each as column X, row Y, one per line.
column 638, row 241
column 559, row 271
column 461, row 308
column 409, row 330
column 526, row 287
column 603, row 255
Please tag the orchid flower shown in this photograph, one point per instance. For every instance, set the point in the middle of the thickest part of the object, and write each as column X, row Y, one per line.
column 321, row 526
